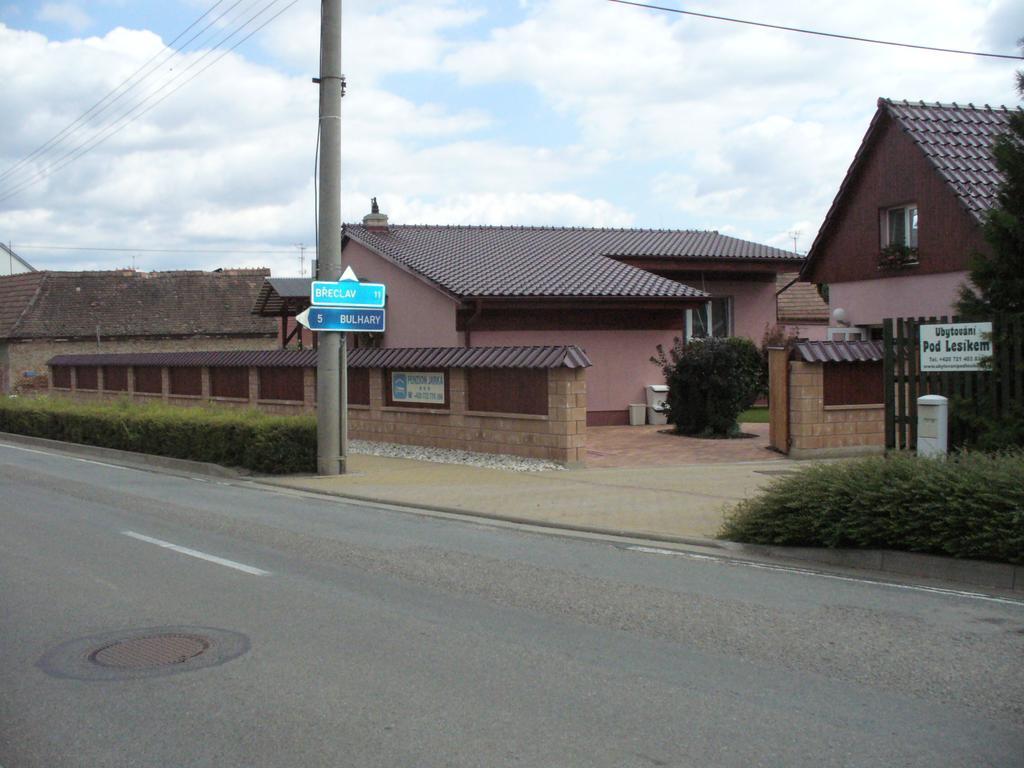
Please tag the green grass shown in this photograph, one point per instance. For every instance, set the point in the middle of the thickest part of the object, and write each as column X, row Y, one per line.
column 966, row 505
column 754, row 416
column 245, row 438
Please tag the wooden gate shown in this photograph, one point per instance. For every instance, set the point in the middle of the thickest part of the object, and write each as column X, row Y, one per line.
column 778, row 399
column 971, row 394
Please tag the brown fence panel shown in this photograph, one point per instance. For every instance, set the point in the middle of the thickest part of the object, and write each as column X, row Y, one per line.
column 87, row 376
column 507, row 390
column 281, row 384
column 358, row 386
column 186, row 381
column 115, row 378
column 229, row 381
column 149, row 379
column 853, row 383
column 61, row 376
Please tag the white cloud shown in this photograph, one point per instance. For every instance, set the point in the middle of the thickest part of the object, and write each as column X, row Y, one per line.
column 753, row 125
column 66, row 14
column 661, row 120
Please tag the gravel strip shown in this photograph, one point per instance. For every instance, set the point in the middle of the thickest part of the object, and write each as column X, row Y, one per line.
column 446, row 456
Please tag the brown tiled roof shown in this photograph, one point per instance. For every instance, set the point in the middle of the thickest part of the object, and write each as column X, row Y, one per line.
column 131, row 304
column 799, row 302
column 956, row 139
column 17, row 292
column 551, row 261
column 365, row 357
column 838, row 351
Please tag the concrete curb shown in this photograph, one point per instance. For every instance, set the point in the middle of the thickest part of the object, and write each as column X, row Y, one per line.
column 142, row 460
column 978, row 573
column 694, row 541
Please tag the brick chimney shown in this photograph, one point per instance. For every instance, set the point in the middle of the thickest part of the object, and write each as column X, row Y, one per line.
column 375, row 221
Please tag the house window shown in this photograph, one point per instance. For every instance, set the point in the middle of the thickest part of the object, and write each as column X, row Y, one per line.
column 711, row 319
column 899, row 226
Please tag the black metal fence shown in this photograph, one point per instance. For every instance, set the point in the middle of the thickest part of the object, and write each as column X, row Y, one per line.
column 975, row 396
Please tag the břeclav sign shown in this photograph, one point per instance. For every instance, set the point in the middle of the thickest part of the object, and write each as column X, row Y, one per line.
column 955, row 346
column 347, row 292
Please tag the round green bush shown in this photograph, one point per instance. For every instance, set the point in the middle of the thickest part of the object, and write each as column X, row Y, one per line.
column 710, row 383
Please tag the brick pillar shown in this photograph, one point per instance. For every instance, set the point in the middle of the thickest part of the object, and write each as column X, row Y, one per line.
column 567, row 409
column 131, row 381
column 204, row 383
column 806, row 405
column 254, row 386
column 376, row 389
column 458, row 395
column 74, row 378
column 309, row 389
column 165, row 382
column 101, row 381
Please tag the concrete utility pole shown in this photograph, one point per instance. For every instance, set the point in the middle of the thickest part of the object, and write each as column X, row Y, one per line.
column 331, row 424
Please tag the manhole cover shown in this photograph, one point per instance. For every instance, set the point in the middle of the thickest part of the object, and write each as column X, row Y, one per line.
column 148, row 652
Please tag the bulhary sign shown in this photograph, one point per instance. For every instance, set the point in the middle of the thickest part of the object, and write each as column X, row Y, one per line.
column 955, row 346
column 417, row 387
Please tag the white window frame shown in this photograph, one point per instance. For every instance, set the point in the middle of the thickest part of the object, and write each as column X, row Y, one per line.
column 911, row 214
column 711, row 317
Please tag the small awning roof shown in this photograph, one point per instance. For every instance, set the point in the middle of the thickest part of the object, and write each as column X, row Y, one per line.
column 838, row 351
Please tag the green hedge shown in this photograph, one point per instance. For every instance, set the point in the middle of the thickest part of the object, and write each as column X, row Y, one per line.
column 236, row 438
column 969, row 505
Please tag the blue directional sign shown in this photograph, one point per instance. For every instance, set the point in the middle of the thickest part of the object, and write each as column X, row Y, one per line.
column 347, row 292
column 361, row 319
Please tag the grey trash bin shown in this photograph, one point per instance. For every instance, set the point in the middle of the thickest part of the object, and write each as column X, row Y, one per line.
column 656, row 406
column 637, row 414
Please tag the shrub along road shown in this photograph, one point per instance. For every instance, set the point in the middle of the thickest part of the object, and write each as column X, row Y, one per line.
column 378, row 637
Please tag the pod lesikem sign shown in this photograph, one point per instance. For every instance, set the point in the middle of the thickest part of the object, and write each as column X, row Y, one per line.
column 956, row 346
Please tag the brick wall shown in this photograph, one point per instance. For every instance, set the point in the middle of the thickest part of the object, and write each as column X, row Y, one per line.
column 26, row 356
column 817, row 430
column 559, row 436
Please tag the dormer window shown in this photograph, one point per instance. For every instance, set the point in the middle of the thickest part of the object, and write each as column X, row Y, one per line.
column 899, row 226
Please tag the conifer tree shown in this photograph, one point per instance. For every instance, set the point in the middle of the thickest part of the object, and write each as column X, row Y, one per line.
column 998, row 276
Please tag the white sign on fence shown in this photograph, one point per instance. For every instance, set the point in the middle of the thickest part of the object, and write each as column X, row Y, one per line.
column 955, row 346
column 417, row 387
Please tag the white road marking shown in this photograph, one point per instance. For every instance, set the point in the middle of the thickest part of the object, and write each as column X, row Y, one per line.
column 72, row 458
column 835, row 577
column 201, row 555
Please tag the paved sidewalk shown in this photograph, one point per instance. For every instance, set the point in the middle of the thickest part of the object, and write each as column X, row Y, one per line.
column 677, row 502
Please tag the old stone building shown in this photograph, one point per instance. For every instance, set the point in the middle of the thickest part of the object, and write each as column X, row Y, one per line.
column 45, row 313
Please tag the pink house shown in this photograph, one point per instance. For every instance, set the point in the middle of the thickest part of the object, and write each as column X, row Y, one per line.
column 899, row 236
column 616, row 293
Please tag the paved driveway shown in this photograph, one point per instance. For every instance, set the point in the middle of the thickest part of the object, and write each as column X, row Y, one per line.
column 654, row 446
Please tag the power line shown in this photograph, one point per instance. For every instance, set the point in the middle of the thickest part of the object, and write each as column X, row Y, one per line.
column 121, row 122
column 126, row 117
column 815, row 32
column 90, row 113
column 147, row 250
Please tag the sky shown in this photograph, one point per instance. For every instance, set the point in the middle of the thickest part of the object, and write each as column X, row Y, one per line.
column 528, row 112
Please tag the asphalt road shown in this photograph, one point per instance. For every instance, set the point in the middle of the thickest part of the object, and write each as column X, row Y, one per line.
column 386, row 638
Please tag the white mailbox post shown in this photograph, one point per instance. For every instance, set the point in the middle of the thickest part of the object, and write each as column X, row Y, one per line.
column 932, row 422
